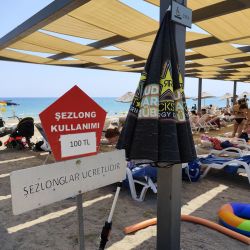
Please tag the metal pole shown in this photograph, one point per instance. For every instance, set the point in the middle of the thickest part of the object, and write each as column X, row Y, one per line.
column 169, row 178
column 199, row 95
column 80, row 221
column 234, row 92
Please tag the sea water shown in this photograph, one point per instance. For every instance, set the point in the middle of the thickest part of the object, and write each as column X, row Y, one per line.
column 33, row 106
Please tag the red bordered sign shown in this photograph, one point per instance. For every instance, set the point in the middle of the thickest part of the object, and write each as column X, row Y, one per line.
column 73, row 125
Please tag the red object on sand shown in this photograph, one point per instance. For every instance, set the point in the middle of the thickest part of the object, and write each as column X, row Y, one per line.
column 73, row 125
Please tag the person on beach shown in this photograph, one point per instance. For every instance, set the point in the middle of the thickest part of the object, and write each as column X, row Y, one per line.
column 113, row 132
column 194, row 108
column 245, row 98
column 240, row 111
column 211, row 118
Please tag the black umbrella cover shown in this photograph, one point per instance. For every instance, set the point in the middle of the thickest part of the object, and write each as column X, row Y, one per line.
column 157, row 127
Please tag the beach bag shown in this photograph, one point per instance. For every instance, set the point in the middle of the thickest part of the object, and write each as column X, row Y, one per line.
column 192, row 172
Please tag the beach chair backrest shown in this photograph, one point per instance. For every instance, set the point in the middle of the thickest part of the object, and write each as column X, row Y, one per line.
column 41, row 131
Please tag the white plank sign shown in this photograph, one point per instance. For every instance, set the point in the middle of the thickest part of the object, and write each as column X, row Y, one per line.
column 39, row 186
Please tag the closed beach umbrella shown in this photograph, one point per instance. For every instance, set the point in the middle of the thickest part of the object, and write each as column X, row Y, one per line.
column 157, row 127
column 128, row 97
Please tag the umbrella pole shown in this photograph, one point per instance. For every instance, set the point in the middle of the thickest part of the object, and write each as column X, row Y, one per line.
column 169, row 207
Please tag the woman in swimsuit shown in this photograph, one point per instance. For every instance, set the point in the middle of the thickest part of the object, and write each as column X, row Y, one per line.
column 240, row 112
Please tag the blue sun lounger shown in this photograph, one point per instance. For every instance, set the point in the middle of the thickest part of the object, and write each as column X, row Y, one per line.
column 143, row 175
column 231, row 165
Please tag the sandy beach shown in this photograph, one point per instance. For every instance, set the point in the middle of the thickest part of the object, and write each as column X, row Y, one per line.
column 55, row 226
column 168, row 82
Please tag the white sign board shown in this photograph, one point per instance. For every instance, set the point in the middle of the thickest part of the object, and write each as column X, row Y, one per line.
column 77, row 144
column 39, row 186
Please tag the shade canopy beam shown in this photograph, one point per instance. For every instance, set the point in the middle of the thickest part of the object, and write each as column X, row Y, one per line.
column 50, row 13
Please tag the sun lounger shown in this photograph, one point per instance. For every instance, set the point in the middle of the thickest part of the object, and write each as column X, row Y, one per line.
column 233, row 143
column 202, row 123
column 229, row 152
column 240, row 164
column 198, row 125
column 144, row 175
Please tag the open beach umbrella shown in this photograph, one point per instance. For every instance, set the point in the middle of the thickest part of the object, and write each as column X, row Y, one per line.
column 205, row 95
column 127, row 97
column 157, row 127
column 188, row 97
column 227, row 97
column 9, row 103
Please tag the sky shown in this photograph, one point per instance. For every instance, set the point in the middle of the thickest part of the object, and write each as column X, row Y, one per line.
column 31, row 80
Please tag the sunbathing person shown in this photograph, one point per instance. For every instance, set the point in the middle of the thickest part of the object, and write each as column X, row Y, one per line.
column 240, row 111
column 213, row 119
